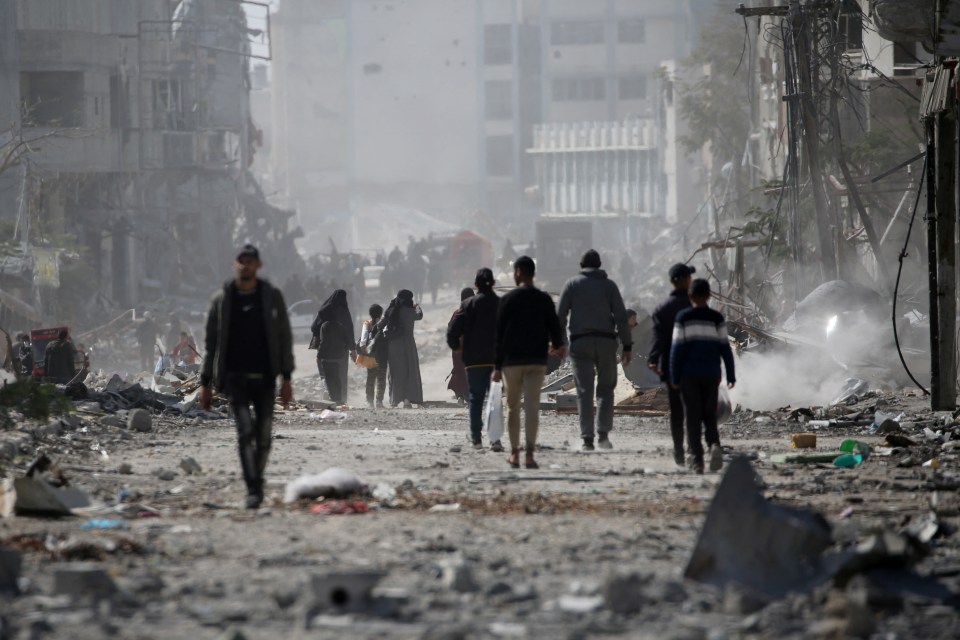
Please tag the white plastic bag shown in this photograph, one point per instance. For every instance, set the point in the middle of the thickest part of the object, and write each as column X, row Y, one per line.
column 494, row 413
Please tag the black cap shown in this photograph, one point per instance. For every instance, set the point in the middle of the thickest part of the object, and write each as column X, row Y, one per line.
column 248, row 251
column 700, row 288
column 680, row 270
column 484, row 278
column 590, row 260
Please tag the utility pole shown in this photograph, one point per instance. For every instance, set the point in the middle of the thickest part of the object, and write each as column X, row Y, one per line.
column 803, row 128
column 800, row 32
column 946, row 227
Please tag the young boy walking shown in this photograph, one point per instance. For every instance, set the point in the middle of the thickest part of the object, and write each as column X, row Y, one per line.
column 699, row 344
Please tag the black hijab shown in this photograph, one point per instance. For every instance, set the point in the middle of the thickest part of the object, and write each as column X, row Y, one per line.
column 404, row 299
column 466, row 293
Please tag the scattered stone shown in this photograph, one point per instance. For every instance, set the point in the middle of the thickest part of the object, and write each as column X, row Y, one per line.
column 343, row 591
column 782, row 552
column 191, row 466
column 140, row 420
column 113, row 422
column 456, row 449
column 458, row 575
column 622, row 592
column 580, row 604
column 82, row 580
column 499, row 589
column 738, row 600
column 232, row 634
column 384, row 492
column 166, row 474
column 11, row 563
column 125, row 469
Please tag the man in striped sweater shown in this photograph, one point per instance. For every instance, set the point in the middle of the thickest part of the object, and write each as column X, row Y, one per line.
column 699, row 344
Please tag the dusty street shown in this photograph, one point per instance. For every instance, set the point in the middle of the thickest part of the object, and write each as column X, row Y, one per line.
column 538, row 546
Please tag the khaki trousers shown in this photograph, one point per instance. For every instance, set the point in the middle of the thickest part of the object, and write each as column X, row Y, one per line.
column 527, row 381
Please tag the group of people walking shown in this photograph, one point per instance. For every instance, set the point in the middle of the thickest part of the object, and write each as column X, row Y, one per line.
column 386, row 348
column 500, row 339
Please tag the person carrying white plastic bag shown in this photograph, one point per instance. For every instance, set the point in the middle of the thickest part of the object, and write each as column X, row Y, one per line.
column 527, row 324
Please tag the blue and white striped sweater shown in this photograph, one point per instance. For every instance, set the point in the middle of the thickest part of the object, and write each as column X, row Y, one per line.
column 699, row 344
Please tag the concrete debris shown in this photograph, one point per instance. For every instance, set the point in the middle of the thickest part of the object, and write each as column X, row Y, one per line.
column 332, row 483
column 623, row 592
column 11, row 563
column 191, row 466
column 82, row 581
column 458, row 575
column 28, row 495
column 140, row 420
column 342, row 592
column 782, row 553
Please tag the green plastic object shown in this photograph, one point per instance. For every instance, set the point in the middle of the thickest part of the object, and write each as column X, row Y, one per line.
column 848, row 460
column 855, row 446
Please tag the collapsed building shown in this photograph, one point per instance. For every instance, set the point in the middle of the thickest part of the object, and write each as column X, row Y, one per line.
column 130, row 132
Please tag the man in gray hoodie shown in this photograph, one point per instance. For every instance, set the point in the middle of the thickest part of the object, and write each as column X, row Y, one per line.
column 597, row 320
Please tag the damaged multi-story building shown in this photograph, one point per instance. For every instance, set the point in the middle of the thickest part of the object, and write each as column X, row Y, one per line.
column 137, row 184
column 431, row 105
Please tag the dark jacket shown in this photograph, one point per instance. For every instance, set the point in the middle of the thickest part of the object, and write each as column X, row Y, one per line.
column 474, row 327
column 526, row 323
column 700, row 343
column 279, row 336
column 333, row 343
column 59, row 361
column 594, row 305
column 663, row 319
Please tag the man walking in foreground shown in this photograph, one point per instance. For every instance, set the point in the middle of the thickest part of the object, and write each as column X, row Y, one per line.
column 472, row 331
column 658, row 359
column 699, row 344
column 598, row 320
column 248, row 344
column 526, row 323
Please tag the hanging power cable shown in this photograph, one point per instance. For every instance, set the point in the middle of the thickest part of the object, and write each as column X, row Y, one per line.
column 896, row 287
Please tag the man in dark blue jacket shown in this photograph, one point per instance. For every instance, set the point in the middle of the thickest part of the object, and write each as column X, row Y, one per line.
column 658, row 359
column 700, row 343
column 472, row 331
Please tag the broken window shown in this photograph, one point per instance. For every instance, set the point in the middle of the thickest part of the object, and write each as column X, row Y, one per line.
column 632, row 32
column 52, row 98
column 499, row 100
column 576, row 33
column 633, row 88
column 500, row 155
column 498, row 44
column 579, row 89
column 851, row 25
column 168, row 112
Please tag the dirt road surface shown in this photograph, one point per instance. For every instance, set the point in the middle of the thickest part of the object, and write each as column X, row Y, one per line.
column 469, row 547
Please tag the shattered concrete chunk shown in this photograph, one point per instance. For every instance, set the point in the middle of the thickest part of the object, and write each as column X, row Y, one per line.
column 140, row 420
column 623, row 592
column 11, row 563
column 82, row 580
column 458, row 576
column 341, row 592
column 782, row 552
column 191, row 466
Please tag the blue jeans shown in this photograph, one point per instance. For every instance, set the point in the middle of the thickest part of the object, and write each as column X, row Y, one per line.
column 478, row 384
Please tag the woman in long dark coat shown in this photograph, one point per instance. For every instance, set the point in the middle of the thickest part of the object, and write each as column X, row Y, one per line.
column 335, row 309
column 406, row 385
column 458, row 375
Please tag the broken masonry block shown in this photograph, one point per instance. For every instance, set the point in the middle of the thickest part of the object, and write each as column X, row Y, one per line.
column 83, row 580
column 782, row 552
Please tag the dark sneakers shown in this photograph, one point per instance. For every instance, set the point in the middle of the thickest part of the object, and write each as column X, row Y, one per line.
column 496, row 446
column 716, row 458
column 587, row 445
column 679, row 458
column 253, row 501
column 603, row 441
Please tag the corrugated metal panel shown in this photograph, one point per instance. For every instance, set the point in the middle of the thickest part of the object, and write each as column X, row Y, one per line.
column 936, row 96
